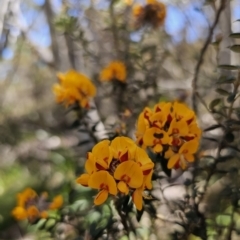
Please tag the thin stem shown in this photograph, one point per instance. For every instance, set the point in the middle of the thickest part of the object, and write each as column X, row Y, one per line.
column 201, row 58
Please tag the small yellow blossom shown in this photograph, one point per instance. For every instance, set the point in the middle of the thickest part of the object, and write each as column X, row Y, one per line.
column 32, row 207
column 74, row 88
column 153, row 13
column 57, row 202
column 116, row 70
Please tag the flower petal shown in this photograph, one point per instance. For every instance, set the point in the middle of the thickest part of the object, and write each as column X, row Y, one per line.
column 122, row 187
column 130, row 172
column 189, row 157
column 103, row 180
column 158, row 148
column 19, row 213
column 138, row 199
column 83, row 179
column 173, row 161
column 189, row 147
column 101, row 197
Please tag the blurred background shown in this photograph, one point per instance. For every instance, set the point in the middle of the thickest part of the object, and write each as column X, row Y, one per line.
column 39, row 145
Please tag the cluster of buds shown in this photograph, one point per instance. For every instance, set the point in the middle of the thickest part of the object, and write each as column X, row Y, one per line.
column 33, row 207
column 153, row 13
column 74, row 88
column 116, row 70
column 170, row 129
column 118, row 167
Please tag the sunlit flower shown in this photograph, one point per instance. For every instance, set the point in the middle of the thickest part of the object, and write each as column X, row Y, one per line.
column 73, row 88
column 32, row 207
column 153, row 13
column 181, row 111
column 116, row 70
column 105, row 183
column 123, row 148
column 117, row 167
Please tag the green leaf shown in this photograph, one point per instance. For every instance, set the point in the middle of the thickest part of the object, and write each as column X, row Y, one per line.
column 234, row 35
column 214, row 103
column 229, row 67
column 212, row 127
column 193, row 237
column 50, row 224
column 224, row 220
column 235, row 48
column 226, row 79
column 231, row 97
column 222, row 92
column 40, row 224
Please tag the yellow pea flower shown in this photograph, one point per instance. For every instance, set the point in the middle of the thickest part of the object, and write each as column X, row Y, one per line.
column 144, row 161
column 116, row 70
column 104, row 182
column 32, row 207
column 177, row 130
column 130, row 175
column 73, row 88
column 181, row 111
column 57, row 202
column 156, row 138
column 19, row 213
column 103, row 155
column 184, row 155
column 123, row 148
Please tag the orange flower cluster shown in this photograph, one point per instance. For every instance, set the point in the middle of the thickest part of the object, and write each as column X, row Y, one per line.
column 153, row 13
column 116, row 70
column 170, row 129
column 118, row 167
column 73, row 88
column 32, row 207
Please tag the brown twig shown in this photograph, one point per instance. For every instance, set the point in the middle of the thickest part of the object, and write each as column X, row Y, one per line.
column 203, row 51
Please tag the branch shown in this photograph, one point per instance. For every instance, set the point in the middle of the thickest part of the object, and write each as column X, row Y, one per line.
column 203, row 51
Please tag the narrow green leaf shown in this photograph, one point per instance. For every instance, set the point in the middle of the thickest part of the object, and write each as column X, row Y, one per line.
column 50, row 224
column 229, row 67
column 222, row 92
column 231, row 97
column 212, row 127
column 235, row 48
column 234, row 35
column 226, row 79
column 214, row 103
